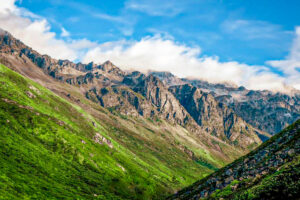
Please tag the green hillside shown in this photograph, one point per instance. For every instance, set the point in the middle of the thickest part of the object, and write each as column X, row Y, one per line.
column 49, row 150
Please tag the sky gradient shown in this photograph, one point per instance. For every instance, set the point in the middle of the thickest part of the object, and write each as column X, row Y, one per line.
column 250, row 43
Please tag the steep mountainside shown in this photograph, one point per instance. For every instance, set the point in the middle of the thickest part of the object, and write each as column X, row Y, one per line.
column 131, row 94
column 272, row 171
column 265, row 110
column 211, row 115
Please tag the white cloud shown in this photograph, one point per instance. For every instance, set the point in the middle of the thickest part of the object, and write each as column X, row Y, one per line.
column 35, row 32
column 163, row 54
column 64, row 33
column 253, row 29
column 156, row 7
column 7, row 6
column 291, row 64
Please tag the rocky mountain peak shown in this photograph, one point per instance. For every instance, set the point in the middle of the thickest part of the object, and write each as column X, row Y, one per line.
column 133, row 78
column 163, row 74
column 9, row 44
column 167, row 78
column 109, row 67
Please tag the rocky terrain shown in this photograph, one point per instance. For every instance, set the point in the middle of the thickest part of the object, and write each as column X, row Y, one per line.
column 272, row 171
column 213, row 116
column 265, row 110
column 136, row 94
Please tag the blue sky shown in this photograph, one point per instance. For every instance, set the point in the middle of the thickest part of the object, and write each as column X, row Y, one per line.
column 265, row 31
column 258, row 36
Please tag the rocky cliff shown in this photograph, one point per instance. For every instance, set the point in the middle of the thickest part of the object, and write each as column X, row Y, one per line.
column 214, row 117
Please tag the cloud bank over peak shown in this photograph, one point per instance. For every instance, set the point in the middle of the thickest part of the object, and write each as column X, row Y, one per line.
column 155, row 53
column 158, row 53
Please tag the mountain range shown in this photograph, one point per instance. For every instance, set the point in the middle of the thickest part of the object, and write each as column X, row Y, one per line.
column 121, row 134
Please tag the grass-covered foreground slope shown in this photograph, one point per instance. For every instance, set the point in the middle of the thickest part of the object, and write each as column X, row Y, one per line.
column 53, row 149
column 272, row 171
column 48, row 151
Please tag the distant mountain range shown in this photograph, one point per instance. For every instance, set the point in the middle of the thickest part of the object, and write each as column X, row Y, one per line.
column 265, row 110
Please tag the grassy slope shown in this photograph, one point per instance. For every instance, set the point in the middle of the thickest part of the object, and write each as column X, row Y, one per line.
column 282, row 183
column 43, row 158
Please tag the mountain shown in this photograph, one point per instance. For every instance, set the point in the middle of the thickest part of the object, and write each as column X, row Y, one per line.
column 85, row 131
column 272, row 171
column 130, row 94
column 265, row 110
column 213, row 116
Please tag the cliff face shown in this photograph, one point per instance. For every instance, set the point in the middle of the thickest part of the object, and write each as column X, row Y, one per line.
column 265, row 110
column 269, row 172
column 214, row 117
column 164, row 102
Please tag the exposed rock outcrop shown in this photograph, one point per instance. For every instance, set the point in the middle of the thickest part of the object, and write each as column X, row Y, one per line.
column 214, row 117
column 265, row 110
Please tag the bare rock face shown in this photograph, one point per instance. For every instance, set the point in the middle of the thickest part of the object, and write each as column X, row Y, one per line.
column 110, row 68
column 163, row 101
column 121, row 99
column 268, row 111
column 265, row 110
column 214, row 117
column 98, row 138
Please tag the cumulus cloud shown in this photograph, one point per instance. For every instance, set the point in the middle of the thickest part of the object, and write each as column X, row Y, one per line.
column 163, row 54
column 64, row 33
column 291, row 64
column 7, row 6
column 35, row 31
